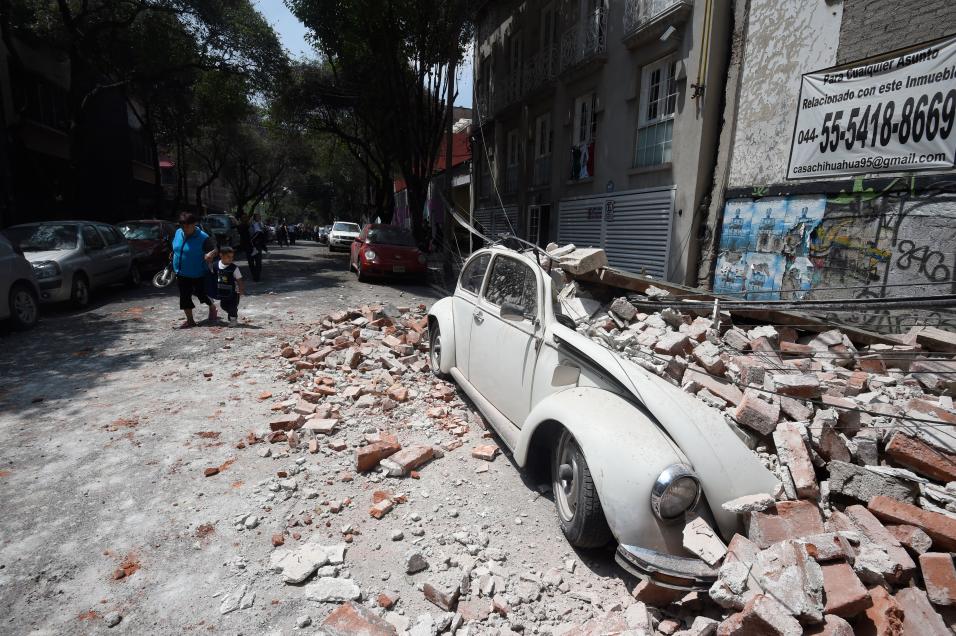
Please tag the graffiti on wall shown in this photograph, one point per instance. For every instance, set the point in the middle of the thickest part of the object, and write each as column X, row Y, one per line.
column 863, row 243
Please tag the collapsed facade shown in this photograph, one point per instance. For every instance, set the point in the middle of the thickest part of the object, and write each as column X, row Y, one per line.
column 569, row 95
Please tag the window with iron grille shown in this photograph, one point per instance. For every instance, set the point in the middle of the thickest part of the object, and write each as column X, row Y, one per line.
column 658, row 104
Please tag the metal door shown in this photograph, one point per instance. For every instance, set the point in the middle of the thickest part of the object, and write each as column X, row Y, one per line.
column 633, row 227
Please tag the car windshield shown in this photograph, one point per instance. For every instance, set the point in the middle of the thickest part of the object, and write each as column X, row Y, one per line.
column 390, row 236
column 346, row 227
column 140, row 231
column 216, row 222
column 41, row 238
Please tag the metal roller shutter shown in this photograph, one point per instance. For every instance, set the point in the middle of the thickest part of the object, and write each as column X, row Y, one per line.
column 494, row 222
column 633, row 227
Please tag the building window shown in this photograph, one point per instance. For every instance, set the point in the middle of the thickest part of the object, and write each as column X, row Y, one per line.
column 583, row 136
column 541, row 173
column 512, row 161
column 656, row 118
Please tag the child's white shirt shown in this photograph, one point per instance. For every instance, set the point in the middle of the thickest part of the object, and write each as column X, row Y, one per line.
column 237, row 273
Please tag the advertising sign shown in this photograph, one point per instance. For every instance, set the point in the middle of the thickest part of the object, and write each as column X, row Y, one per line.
column 892, row 115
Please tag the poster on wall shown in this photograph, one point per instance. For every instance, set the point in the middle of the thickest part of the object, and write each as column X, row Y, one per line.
column 894, row 114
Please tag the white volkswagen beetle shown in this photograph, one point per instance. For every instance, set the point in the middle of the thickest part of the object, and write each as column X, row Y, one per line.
column 630, row 455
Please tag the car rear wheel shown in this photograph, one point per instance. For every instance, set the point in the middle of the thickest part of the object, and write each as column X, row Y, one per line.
column 80, row 293
column 135, row 276
column 24, row 307
column 575, row 496
column 358, row 271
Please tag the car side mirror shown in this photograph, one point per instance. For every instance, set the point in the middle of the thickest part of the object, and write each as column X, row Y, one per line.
column 512, row 312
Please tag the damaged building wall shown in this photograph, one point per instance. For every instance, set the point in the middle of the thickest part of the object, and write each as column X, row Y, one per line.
column 785, row 39
column 844, row 236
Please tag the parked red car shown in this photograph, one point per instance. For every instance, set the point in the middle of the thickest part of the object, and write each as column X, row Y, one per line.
column 150, row 241
column 384, row 250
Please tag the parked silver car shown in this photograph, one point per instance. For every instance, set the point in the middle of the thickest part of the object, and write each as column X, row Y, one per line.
column 19, row 293
column 72, row 258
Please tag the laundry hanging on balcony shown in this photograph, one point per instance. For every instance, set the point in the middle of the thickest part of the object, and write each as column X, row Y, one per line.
column 582, row 161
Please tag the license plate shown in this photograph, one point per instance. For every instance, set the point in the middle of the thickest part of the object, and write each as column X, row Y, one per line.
column 398, row 269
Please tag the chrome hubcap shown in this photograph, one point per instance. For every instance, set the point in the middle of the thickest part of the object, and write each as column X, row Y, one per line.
column 436, row 352
column 568, row 471
column 24, row 307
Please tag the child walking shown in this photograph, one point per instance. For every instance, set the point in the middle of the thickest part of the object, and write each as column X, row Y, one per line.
column 229, row 283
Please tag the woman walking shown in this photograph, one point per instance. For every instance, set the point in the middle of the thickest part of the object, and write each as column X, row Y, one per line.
column 192, row 250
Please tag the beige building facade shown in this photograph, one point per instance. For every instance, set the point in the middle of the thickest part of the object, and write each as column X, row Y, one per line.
column 596, row 123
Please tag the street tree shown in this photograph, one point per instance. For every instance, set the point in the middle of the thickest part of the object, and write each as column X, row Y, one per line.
column 388, row 61
column 150, row 51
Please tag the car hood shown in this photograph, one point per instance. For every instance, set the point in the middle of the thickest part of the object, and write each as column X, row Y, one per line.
column 48, row 255
column 726, row 467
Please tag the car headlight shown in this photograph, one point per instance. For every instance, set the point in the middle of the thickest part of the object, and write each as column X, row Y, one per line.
column 46, row 269
column 676, row 491
column 370, row 255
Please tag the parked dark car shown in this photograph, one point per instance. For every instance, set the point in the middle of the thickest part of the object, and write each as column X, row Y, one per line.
column 223, row 227
column 386, row 250
column 151, row 242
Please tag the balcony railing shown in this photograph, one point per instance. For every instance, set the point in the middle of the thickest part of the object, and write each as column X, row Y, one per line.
column 541, row 175
column 585, row 40
column 513, row 88
column 511, row 179
column 541, row 68
column 640, row 13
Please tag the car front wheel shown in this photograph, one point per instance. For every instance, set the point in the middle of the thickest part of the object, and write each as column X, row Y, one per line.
column 80, row 293
column 575, row 496
column 24, row 307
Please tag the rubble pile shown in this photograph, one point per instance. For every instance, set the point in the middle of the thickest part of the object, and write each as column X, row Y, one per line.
column 364, row 415
column 858, row 539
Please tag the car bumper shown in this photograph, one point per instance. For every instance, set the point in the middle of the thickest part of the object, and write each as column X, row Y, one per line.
column 53, row 290
column 388, row 269
column 666, row 570
column 340, row 242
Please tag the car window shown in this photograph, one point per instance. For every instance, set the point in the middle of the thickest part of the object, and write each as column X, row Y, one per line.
column 92, row 238
column 215, row 222
column 140, row 231
column 513, row 282
column 112, row 236
column 390, row 236
column 346, row 227
column 40, row 238
column 474, row 273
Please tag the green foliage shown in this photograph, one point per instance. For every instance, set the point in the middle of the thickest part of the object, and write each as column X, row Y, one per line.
column 384, row 77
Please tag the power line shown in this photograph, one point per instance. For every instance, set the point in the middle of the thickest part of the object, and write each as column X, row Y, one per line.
column 937, row 423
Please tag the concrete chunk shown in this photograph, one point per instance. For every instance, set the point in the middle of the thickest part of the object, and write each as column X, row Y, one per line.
column 861, row 484
column 794, row 455
column 583, row 260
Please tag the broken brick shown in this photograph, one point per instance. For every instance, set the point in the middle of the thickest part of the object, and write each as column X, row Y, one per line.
column 883, row 618
column 919, row 617
column 407, row 459
column 794, row 455
column 381, row 508
column 941, row 528
column 487, row 452
column 939, row 576
column 757, row 414
column 786, row 520
column 353, row 618
column 368, row 457
column 845, row 595
column 915, row 454
column 287, row 422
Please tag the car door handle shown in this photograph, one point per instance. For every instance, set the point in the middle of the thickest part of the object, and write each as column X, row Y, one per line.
column 479, row 317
